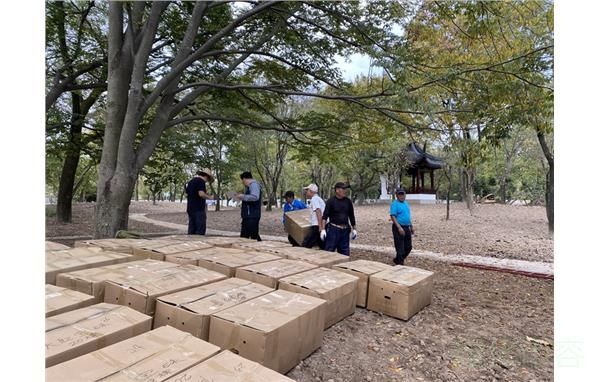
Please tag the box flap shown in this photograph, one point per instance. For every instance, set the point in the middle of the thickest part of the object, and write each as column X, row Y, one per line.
column 279, row 268
column 403, row 275
column 228, row 367
column 270, row 311
column 164, row 350
column 320, row 280
column 364, row 266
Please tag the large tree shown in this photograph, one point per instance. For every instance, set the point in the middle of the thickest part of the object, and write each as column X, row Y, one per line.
column 76, row 80
column 165, row 60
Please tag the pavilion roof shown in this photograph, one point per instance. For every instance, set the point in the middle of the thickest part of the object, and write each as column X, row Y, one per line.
column 420, row 158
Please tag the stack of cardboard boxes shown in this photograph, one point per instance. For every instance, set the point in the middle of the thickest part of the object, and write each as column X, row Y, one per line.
column 267, row 302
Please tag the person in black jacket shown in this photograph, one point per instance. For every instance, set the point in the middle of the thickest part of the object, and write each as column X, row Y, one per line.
column 251, row 206
column 340, row 212
column 196, row 201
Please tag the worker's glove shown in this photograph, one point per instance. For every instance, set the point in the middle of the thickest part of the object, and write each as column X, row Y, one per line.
column 323, row 235
column 354, row 234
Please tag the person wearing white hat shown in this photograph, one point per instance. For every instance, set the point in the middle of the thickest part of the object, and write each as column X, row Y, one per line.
column 317, row 207
column 196, row 201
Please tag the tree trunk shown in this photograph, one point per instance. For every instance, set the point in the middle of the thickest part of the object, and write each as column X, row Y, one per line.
column 69, row 170
column 448, row 174
column 468, row 179
column 549, row 194
column 112, row 206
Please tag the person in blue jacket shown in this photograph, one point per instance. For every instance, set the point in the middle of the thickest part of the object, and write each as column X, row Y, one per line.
column 291, row 204
column 402, row 227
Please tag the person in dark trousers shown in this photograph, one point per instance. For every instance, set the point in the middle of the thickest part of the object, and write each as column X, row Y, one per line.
column 317, row 207
column 196, row 201
column 291, row 204
column 402, row 227
column 340, row 212
column 251, row 206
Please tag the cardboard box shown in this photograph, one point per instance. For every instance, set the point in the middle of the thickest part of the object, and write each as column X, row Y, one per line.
column 400, row 292
column 84, row 330
column 227, row 367
column 190, row 310
column 75, row 259
column 362, row 269
column 337, row 288
column 152, row 356
column 277, row 330
column 60, row 300
column 158, row 251
column 192, row 257
column 92, row 281
column 324, row 259
column 115, row 245
column 182, row 238
column 140, row 291
column 262, row 246
column 225, row 241
column 297, row 224
column 227, row 264
column 52, row 246
column 270, row 272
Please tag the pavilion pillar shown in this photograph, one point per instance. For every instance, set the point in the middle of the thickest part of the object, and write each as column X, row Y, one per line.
column 413, row 183
column 422, row 182
column 433, row 188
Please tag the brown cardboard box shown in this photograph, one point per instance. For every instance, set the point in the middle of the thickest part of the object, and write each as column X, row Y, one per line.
column 225, row 241
column 297, row 224
column 190, row 310
column 74, row 259
column 159, row 251
column 115, row 245
column 52, row 246
column 400, row 291
column 60, row 300
column 84, row 330
column 229, row 263
column 262, row 246
column 277, row 330
column 337, row 288
column 140, row 291
column 182, row 238
column 192, row 257
column 324, row 259
column 228, row 367
column 152, row 356
column 362, row 269
column 270, row 272
column 92, row 281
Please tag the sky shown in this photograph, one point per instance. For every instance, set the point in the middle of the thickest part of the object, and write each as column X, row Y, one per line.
column 357, row 64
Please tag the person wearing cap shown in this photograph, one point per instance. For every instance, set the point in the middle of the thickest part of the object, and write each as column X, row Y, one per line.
column 340, row 212
column 402, row 227
column 317, row 207
column 291, row 204
column 251, row 206
column 196, row 201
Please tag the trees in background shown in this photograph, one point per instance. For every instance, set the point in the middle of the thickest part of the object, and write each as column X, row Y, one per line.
column 164, row 88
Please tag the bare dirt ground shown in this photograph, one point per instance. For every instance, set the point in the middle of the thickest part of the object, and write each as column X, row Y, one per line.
column 477, row 325
column 475, row 329
column 515, row 232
